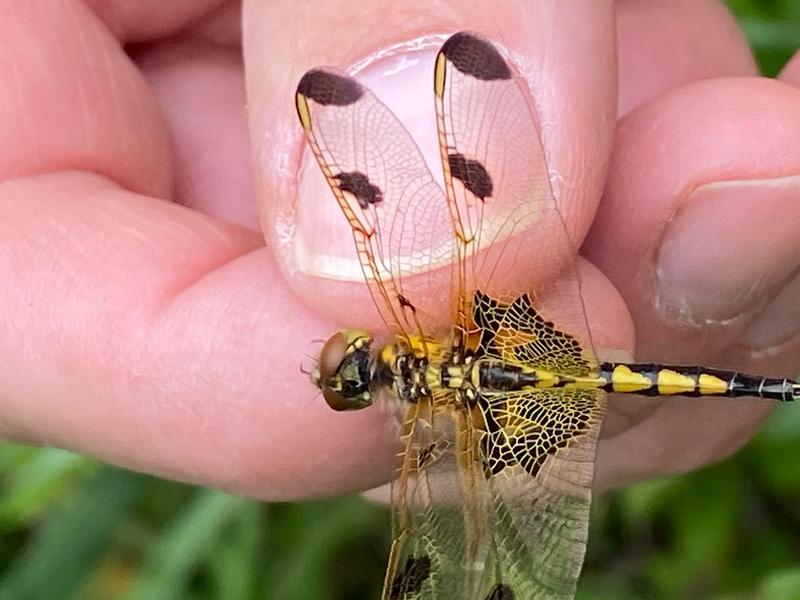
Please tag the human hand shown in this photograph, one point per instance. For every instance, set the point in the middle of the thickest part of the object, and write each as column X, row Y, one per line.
column 144, row 328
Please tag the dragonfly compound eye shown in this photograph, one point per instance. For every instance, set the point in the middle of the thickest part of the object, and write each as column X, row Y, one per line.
column 344, row 373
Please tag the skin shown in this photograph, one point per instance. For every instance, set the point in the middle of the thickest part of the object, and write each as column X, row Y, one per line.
column 145, row 320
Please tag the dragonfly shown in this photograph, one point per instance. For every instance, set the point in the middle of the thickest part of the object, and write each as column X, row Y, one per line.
column 499, row 413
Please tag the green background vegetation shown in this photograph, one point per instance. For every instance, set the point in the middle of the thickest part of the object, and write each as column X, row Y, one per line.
column 73, row 528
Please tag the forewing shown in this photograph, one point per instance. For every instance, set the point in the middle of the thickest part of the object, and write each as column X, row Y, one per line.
column 394, row 207
column 509, row 232
column 539, row 456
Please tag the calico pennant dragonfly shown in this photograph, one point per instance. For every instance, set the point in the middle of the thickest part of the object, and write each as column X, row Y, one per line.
column 499, row 415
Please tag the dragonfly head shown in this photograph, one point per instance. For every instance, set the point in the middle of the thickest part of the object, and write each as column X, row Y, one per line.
column 344, row 372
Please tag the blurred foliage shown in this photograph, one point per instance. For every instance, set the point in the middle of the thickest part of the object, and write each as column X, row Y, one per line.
column 71, row 528
column 74, row 529
column 773, row 27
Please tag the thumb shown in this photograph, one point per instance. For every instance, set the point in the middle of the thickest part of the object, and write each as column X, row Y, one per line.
column 566, row 51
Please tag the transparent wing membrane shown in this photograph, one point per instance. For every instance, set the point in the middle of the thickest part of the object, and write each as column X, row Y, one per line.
column 510, row 235
column 386, row 191
column 428, row 518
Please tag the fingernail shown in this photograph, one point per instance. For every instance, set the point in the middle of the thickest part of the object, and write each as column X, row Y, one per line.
column 780, row 320
column 402, row 78
column 730, row 245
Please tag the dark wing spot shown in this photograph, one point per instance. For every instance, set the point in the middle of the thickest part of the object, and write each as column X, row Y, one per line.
column 473, row 56
column 501, row 591
column 406, row 303
column 472, row 174
column 359, row 185
column 325, row 88
column 411, row 579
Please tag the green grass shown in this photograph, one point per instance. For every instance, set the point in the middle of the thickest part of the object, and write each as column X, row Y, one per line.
column 773, row 27
column 71, row 528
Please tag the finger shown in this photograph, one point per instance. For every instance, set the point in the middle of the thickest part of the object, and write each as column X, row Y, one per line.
column 135, row 329
column 159, row 339
column 572, row 78
column 75, row 101
column 200, row 89
column 150, row 19
column 702, row 206
column 791, row 72
column 663, row 45
column 699, row 229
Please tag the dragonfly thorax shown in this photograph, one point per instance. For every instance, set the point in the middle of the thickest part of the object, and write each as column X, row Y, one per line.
column 350, row 374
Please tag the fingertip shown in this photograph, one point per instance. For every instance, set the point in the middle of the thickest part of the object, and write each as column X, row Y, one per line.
column 79, row 102
column 200, row 91
column 735, row 129
column 661, row 46
column 610, row 322
column 791, row 72
column 150, row 19
column 572, row 79
column 601, row 322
